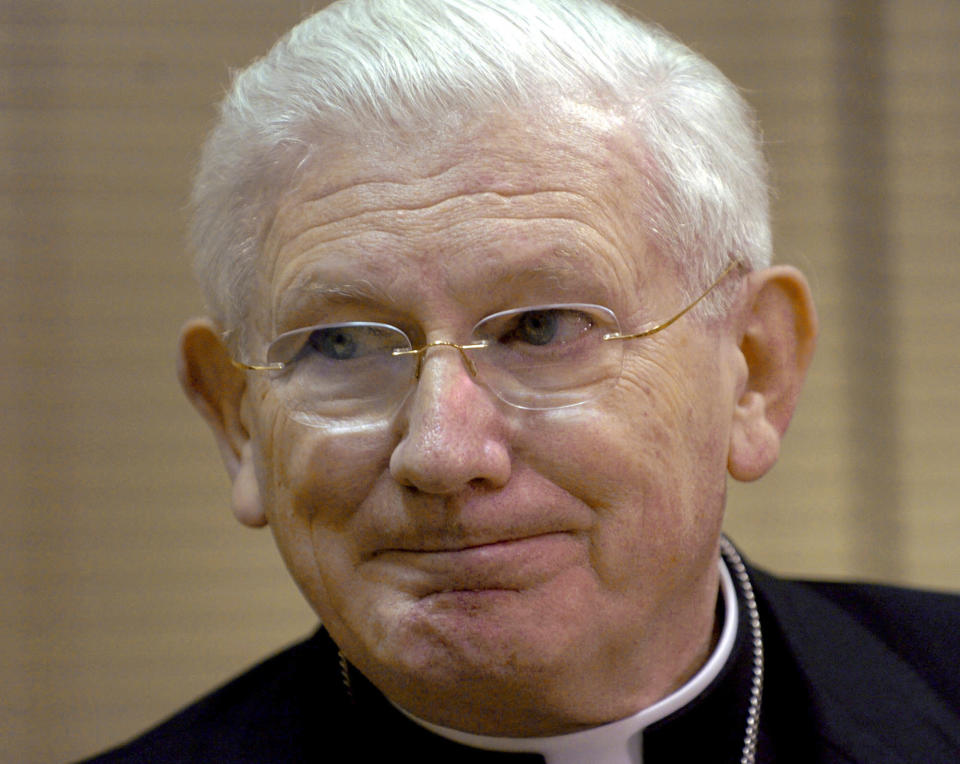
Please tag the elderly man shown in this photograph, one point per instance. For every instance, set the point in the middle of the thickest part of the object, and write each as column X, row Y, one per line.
column 492, row 318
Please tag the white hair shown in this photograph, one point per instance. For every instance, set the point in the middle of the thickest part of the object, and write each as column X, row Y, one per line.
column 396, row 65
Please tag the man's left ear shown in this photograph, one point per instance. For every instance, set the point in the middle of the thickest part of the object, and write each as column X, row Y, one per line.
column 778, row 334
column 215, row 387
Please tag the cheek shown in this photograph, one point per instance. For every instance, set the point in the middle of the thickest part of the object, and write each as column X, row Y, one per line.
column 649, row 459
column 621, row 447
column 319, row 476
column 312, row 482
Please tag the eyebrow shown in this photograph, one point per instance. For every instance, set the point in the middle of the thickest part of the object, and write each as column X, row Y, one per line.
column 571, row 272
column 360, row 290
column 309, row 290
column 568, row 267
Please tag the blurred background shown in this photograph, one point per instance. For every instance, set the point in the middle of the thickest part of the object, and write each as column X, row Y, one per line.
column 126, row 588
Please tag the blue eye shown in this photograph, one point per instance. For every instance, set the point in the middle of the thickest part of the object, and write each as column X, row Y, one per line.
column 548, row 328
column 537, row 327
column 338, row 343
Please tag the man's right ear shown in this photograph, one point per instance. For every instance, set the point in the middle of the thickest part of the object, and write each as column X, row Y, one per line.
column 215, row 387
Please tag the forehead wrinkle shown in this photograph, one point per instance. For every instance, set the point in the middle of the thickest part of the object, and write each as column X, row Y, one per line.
column 477, row 156
column 371, row 219
column 581, row 262
column 337, row 179
column 380, row 208
column 336, row 183
column 374, row 204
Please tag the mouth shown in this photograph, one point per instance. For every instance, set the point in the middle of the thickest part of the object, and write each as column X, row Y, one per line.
column 440, row 546
column 497, row 564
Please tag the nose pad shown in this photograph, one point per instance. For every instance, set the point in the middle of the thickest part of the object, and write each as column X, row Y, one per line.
column 452, row 430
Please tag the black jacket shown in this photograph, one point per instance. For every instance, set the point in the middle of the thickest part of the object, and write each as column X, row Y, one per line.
column 853, row 673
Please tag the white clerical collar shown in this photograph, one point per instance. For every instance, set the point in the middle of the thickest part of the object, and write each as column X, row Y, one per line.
column 618, row 742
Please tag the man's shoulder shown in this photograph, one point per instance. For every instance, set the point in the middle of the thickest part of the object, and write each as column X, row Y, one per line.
column 919, row 627
column 261, row 711
column 878, row 663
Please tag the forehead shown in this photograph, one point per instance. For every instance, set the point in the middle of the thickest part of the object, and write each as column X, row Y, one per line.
column 508, row 203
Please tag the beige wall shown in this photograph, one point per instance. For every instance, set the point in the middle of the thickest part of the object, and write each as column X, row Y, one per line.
column 126, row 586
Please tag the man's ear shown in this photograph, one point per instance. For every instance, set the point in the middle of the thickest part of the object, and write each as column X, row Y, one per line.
column 215, row 386
column 778, row 333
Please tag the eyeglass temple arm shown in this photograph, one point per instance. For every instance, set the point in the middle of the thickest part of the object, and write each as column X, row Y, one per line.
column 226, row 338
column 258, row 367
column 653, row 330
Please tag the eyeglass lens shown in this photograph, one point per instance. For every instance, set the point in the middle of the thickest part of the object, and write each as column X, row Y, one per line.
column 542, row 357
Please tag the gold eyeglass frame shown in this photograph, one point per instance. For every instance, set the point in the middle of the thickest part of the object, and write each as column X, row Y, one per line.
column 468, row 362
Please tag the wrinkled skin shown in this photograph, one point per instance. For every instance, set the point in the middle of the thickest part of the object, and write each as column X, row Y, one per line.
column 492, row 569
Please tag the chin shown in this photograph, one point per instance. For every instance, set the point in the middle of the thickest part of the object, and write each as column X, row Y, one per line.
column 495, row 638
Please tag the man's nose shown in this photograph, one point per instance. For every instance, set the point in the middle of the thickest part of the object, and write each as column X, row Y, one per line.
column 454, row 430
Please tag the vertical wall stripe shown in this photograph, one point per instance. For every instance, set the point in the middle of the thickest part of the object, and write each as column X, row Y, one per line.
column 867, row 273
